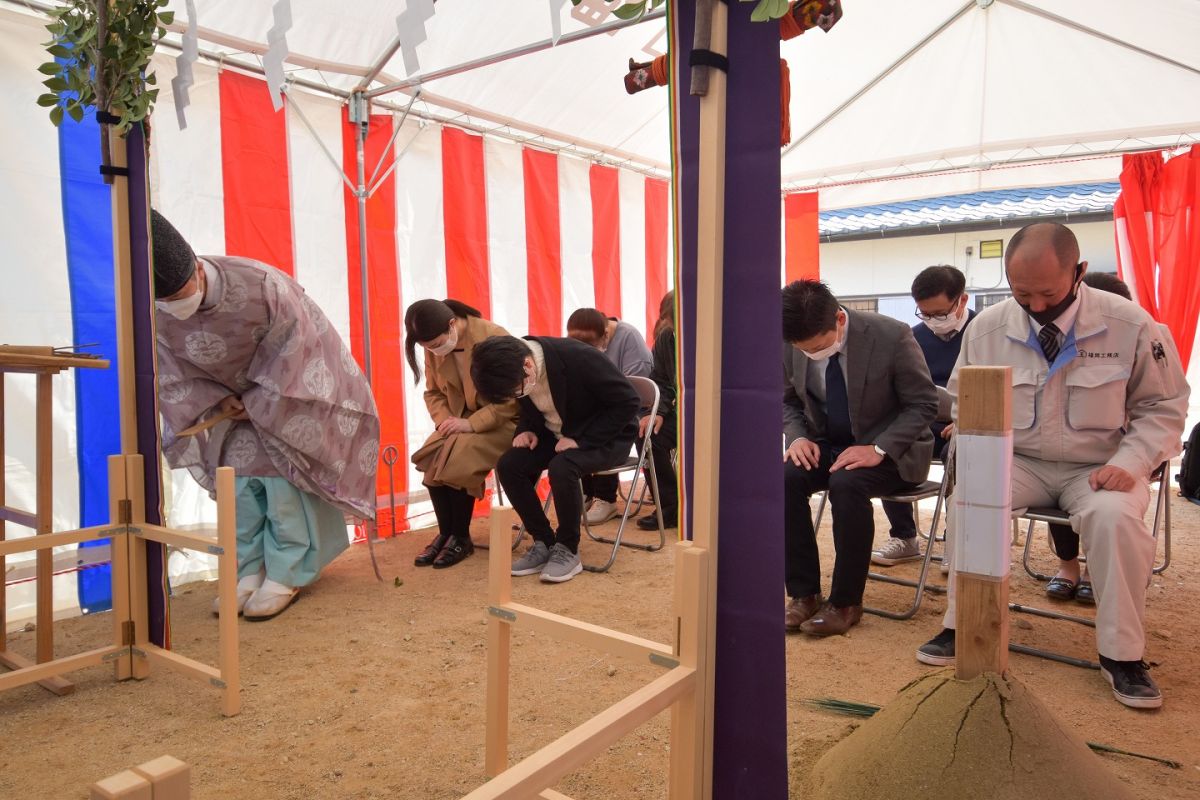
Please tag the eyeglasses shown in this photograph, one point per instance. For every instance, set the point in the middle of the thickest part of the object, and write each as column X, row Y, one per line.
column 938, row 317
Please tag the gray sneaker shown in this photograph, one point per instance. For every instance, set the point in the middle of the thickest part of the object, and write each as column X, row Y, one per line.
column 534, row 559
column 562, row 566
column 895, row 551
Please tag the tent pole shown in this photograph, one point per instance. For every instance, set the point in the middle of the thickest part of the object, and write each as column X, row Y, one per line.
column 517, row 52
column 358, row 116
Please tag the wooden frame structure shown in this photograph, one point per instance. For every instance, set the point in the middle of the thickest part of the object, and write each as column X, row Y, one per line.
column 130, row 652
column 678, row 688
column 44, row 364
column 687, row 688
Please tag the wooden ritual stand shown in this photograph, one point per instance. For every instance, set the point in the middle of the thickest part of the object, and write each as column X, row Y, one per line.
column 43, row 363
column 131, row 652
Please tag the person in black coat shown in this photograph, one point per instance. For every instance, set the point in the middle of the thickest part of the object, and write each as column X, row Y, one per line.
column 578, row 415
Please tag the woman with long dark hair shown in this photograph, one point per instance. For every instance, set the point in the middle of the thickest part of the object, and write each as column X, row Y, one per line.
column 664, row 438
column 470, row 434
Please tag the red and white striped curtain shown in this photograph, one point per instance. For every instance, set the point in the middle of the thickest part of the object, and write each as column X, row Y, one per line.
column 523, row 234
column 1158, row 239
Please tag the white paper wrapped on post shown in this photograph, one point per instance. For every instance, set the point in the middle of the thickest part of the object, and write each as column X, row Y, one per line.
column 983, row 501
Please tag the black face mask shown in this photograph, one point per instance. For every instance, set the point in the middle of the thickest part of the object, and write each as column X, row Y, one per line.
column 1048, row 315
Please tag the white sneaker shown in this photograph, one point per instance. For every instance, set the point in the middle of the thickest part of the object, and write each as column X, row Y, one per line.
column 270, row 600
column 245, row 587
column 895, row 551
column 601, row 511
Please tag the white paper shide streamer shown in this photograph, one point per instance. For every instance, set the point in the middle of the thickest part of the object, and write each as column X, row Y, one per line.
column 183, row 79
column 410, row 28
column 277, row 51
column 556, row 7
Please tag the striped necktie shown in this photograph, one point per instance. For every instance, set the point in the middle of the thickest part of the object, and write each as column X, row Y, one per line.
column 1048, row 339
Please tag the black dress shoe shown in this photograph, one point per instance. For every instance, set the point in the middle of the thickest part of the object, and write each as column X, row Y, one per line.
column 431, row 552
column 455, row 551
column 650, row 523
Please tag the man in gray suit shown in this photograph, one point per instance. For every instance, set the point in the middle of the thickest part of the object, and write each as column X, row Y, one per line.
column 857, row 404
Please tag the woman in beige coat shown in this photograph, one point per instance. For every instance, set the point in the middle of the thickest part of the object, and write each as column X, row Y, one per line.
column 470, row 435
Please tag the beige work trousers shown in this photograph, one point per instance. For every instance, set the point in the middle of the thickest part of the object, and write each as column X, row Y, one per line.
column 1115, row 537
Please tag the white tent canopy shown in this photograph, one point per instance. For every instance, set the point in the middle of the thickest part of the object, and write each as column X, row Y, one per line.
column 968, row 94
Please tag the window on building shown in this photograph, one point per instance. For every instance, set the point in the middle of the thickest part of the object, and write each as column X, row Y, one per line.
column 983, row 301
column 862, row 304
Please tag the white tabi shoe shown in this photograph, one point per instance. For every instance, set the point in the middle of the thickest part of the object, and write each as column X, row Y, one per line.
column 269, row 601
column 245, row 587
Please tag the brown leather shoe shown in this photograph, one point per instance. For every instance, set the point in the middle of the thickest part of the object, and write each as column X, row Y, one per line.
column 832, row 621
column 799, row 609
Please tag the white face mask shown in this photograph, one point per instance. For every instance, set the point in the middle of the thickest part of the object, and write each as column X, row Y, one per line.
column 446, row 347
column 945, row 327
column 836, row 347
column 183, row 307
column 826, row 352
column 527, row 385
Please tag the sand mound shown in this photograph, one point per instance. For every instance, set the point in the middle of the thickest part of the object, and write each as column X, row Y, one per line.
column 946, row 739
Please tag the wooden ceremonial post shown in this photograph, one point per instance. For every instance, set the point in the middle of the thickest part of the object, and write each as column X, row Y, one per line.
column 983, row 502
column 3, row 571
column 45, row 517
column 118, row 547
column 139, row 601
column 693, row 719
column 228, row 661
column 498, row 640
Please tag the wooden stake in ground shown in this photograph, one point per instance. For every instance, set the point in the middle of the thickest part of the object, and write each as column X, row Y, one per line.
column 982, row 501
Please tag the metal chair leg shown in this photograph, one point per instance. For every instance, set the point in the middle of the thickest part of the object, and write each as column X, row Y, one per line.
column 920, row 584
column 617, row 542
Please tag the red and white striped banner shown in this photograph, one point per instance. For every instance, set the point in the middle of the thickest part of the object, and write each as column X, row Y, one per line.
column 524, row 235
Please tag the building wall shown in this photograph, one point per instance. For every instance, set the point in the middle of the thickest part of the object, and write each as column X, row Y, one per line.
column 881, row 267
column 888, row 265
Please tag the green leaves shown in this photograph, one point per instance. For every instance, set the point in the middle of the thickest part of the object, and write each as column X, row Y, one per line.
column 630, row 10
column 767, row 10
column 110, row 64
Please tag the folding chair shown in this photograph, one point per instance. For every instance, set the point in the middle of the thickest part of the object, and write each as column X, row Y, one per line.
column 647, row 391
column 1162, row 521
column 915, row 495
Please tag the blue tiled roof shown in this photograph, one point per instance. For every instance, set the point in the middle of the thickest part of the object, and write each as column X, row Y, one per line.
column 1080, row 198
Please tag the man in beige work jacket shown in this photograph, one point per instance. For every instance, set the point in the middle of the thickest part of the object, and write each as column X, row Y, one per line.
column 1099, row 401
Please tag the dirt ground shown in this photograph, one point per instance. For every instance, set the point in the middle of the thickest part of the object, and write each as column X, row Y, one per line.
column 369, row 690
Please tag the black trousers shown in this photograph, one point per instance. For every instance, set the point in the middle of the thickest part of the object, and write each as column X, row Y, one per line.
column 520, row 468
column 661, row 446
column 601, row 487
column 1066, row 542
column 850, row 494
column 900, row 515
